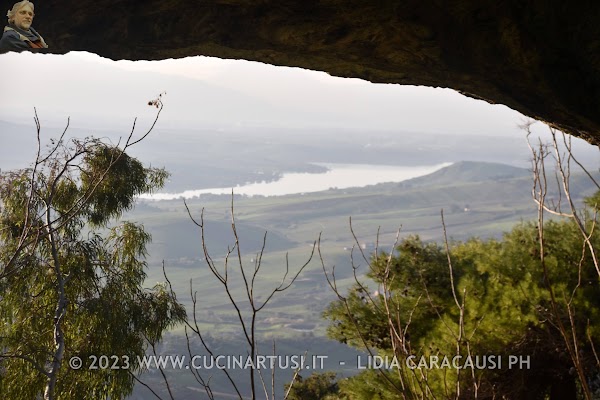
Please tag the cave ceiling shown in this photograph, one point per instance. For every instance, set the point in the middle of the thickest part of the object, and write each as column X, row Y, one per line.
column 541, row 58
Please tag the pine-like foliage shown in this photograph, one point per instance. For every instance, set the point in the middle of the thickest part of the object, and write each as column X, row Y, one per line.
column 512, row 303
column 72, row 274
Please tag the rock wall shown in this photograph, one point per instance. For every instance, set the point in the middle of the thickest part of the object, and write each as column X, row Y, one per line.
column 540, row 57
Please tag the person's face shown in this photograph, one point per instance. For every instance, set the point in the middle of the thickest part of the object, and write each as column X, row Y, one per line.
column 24, row 17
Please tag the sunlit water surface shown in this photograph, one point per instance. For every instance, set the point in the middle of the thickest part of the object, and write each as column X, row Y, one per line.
column 340, row 176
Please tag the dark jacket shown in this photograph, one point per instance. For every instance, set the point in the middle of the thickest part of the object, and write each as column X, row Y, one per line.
column 15, row 39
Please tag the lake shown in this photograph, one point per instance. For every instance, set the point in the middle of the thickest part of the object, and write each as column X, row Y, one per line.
column 340, row 176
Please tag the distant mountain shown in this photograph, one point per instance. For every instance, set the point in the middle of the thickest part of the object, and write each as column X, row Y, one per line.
column 18, row 141
column 115, row 96
column 468, row 172
column 18, row 145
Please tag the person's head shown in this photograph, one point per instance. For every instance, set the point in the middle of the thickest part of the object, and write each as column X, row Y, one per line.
column 21, row 14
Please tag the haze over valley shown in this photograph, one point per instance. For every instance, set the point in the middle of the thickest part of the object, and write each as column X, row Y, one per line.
column 405, row 153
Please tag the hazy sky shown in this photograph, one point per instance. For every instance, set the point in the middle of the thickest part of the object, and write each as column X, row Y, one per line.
column 203, row 91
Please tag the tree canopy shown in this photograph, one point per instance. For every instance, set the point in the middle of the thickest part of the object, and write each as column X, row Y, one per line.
column 489, row 298
column 72, row 274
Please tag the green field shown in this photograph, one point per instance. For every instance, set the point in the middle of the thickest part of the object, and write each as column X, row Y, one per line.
column 478, row 199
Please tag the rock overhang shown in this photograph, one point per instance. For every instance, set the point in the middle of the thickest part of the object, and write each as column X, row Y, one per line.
column 539, row 58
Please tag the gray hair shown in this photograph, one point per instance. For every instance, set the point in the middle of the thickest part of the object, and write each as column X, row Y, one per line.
column 11, row 13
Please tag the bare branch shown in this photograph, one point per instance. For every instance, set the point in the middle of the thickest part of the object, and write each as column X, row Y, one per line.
column 138, row 380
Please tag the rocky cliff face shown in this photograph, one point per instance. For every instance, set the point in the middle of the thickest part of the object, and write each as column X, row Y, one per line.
column 540, row 57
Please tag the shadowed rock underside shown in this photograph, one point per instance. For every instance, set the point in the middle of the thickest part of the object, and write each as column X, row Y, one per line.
column 541, row 58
